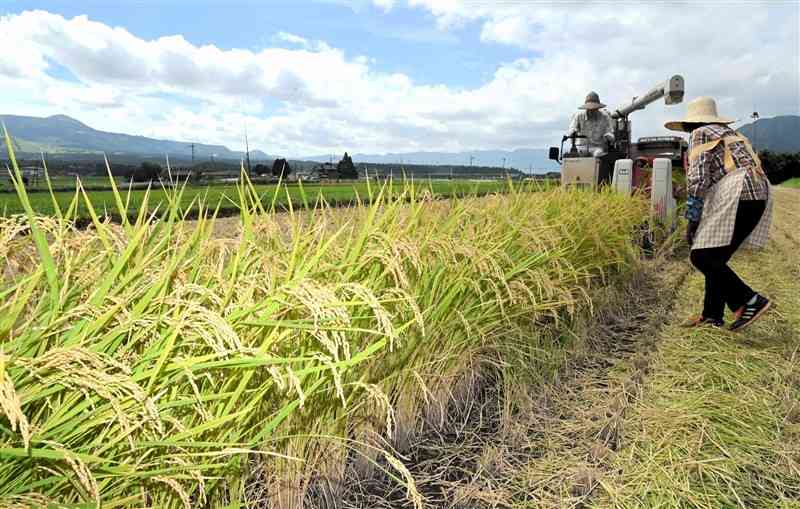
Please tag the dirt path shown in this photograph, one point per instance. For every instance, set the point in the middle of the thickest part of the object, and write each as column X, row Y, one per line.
column 641, row 413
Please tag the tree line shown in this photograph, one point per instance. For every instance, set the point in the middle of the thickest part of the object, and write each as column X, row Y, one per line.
column 281, row 168
column 149, row 171
column 780, row 167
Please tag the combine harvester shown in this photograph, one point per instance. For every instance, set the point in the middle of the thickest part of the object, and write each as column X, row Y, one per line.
column 578, row 168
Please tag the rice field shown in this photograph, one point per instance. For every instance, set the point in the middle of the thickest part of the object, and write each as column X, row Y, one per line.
column 147, row 364
column 223, row 197
column 57, row 182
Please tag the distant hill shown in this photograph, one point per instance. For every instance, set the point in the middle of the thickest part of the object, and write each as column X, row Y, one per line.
column 776, row 134
column 68, row 138
column 525, row 159
column 61, row 134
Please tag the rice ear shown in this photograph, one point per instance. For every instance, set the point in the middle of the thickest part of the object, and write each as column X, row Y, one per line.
column 158, row 357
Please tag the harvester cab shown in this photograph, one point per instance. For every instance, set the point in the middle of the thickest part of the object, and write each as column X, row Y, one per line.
column 616, row 167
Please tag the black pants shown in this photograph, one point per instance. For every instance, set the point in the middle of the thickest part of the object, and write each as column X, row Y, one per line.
column 723, row 286
column 606, row 170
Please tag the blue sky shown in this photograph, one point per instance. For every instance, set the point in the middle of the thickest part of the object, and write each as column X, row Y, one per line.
column 405, row 40
column 386, row 75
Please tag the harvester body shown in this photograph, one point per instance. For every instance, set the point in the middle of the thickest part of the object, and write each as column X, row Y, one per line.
column 580, row 171
column 616, row 167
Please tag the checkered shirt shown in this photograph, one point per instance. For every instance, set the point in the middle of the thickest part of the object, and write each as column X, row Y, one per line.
column 708, row 167
column 724, row 169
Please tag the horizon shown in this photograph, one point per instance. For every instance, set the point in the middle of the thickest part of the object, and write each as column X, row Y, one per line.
column 387, row 77
column 382, row 154
column 260, row 150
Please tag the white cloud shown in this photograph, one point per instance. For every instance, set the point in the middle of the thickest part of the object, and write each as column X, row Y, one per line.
column 315, row 98
column 68, row 96
column 386, row 5
column 747, row 54
column 293, row 39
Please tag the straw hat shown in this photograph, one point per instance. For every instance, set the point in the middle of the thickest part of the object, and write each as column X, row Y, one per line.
column 592, row 102
column 702, row 110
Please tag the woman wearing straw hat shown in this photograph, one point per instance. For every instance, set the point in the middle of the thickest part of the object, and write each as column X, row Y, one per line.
column 729, row 206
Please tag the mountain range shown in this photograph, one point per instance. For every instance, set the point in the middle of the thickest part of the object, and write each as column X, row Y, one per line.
column 60, row 135
column 65, row 135
column 776, row 134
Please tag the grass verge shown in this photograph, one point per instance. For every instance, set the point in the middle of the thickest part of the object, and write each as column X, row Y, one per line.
column 792, row 183
column 718, row 422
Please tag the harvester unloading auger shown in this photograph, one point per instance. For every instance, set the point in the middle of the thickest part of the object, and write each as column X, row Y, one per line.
column 616, row 167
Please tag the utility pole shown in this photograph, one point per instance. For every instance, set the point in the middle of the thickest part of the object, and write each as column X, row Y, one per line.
column 192, row 154
column 504, row 163
column 247, row 149
column 755, row 118
column 471, row 158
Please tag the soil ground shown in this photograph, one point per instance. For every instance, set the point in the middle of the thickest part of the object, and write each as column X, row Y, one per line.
column 642, row 412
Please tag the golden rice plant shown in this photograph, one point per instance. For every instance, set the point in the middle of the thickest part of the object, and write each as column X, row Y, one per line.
column 148, row 363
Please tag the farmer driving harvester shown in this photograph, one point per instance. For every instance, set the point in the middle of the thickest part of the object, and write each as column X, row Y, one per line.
column 599, row 140
column 592, row 132
column 594, row 123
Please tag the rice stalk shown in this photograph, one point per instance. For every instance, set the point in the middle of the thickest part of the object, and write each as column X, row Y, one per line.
column 143, row 364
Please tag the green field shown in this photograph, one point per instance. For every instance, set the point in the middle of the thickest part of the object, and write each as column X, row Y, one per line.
column 61, row 182
column 793, row 183
column 226, row 196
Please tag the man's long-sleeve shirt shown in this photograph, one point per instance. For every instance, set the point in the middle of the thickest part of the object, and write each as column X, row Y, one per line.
column 598, row 130
column 709, row 167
